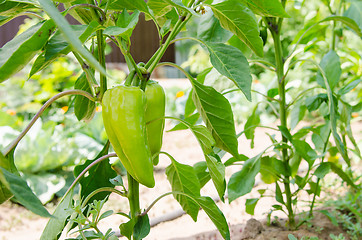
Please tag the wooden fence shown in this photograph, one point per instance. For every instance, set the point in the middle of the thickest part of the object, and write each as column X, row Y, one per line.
column 145, row 41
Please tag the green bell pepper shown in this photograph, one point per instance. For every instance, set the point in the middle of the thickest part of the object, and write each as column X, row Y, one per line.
column 155, row 109
column 123, row 111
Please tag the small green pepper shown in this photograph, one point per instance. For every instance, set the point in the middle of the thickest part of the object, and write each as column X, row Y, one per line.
column 155, row 111
column 123, row 111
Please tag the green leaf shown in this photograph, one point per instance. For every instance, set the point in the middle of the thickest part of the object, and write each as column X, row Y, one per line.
column 130, row 5
column 233, row 160
column 105, row 214
column 178, row 4
column 33, row 2
column 24, row 194
column 204, row 137
column 216, row 216
column 271, row 169
column 250, row 205
column 15, row 54
column 84, row 108
column 217, row 173
column 333, row 118
column 243, row 181
column 68, row 34
column 216, row 112
column 117, row 181
column 349, row 87
column 238, row 19
column 347, row 21
column 322, row 170
column 305, row 151
column 202, row 173
column 294, row 163
column 346, row 119
column 332, row 68
column 159, row 7
column 98, row 176
column 126, row 229
column 210, row 30
column 231, row 62
column 266, row 8
column 124, row 26
column 355, row 12
column 183, row 179
column 250, row 125
column 57, row 46
column 8, row 164
column 286, row 133
column 142, row 227
column 55, row 225
column 344, row 176
column 278, row 194
column 320, row 136
column 192, row 120
column 314, row 102
column 297, row 114
column 189, row 105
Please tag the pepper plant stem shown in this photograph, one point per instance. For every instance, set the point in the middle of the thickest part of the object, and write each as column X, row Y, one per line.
column 275, row 31
column 133, row 196
column 152, row 63
column 102, row 61
column 42, row 109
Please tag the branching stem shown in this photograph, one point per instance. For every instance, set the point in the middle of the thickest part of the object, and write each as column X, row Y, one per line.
column 42, row 109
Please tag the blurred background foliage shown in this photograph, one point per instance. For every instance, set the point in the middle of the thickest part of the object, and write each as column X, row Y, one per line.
column 58, row 142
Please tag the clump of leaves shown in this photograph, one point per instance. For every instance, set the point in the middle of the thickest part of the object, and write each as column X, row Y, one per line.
column 348, row 213
column 88, row 222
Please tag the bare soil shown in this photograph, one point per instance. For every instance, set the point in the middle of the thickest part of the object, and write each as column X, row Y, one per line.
column 16, row 223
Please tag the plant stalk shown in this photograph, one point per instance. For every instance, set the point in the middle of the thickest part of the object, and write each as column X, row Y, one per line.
column 283, row 112
column 133, row 196
column 42, row 109
column 102, row 61
column 155, row 59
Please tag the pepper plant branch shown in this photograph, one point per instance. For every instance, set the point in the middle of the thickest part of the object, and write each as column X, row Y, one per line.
column 128, row 57
column 152, row 63
column 154, row 202
column 178, row 67
column 90, row 6
column 102, row 61
column 95, row 162
column 88, row 72
column 129, row 78
column 103, row 189
column 42, row 109
column 252, row 90
column 298, row 97
column 264, row 64
column 94, row 12
column 30, row 14
column 155, row 59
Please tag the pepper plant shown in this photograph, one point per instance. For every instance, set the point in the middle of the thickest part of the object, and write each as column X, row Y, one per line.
column 315, row 53
column 133, row 112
